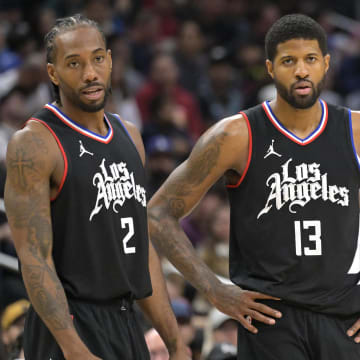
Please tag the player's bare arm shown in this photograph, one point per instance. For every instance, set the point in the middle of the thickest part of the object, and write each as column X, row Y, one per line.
column 157, row 306
column 354, row 331
column 222, row 148
column 33, row 161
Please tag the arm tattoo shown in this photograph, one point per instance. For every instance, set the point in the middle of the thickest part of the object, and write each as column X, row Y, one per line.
column 25, row 162
column 23, row 166
column 27, row 206
column 170, row 240
column 47, row 295
column 20, row 165
column 45, row 289
column 165, row 230
column 204, row 158
column 176, row 207
column 39, row 230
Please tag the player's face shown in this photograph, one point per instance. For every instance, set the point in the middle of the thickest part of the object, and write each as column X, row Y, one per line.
column 82, row 69
column 298, row 71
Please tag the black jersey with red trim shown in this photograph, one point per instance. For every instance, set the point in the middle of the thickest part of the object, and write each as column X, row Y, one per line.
column 294, row 229
column 99, row 220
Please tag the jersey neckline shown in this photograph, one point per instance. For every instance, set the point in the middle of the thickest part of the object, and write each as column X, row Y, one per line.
column 280, row 127
column 82, row 130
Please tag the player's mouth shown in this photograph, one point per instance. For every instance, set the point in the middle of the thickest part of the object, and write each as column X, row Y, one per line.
column 303, row 88
column 93, row 92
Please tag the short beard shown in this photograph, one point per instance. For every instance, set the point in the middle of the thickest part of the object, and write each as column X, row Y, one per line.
column 74, row 98
column 91, row 108
column 300, row 102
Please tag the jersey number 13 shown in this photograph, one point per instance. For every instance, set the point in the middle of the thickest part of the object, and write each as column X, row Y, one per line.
column 314, row 236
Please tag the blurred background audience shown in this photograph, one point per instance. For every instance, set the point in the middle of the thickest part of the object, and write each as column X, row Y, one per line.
column 156, row 346
column 179, row 66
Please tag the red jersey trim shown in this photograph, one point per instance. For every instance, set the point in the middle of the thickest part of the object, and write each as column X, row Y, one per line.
column 310, row 138
column 249, row 154
column 62, row 152
column 78, row 128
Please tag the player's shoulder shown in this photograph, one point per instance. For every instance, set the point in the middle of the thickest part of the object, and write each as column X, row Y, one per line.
column 234, row 128
column 33, row 138
column 31, row 130
column 235, row 123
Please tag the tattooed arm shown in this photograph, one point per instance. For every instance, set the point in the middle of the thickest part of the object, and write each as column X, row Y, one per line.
column 223, row 147
column 33, row 163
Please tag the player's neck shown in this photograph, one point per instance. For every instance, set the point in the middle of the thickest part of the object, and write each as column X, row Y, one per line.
column 301, row 122
column 93, row 121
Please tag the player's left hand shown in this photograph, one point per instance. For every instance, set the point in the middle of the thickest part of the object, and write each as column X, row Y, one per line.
column 354, row 331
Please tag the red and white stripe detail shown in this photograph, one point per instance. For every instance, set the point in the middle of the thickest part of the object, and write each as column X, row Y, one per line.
column 310, row 138
column 104, row 139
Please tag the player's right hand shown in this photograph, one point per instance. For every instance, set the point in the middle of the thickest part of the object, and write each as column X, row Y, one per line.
column 242, row 305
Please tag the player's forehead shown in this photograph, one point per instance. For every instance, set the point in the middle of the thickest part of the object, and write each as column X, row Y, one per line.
column 80, row 40
column 298, row 48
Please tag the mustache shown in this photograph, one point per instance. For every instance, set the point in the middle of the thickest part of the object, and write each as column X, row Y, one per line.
column 92, row 85
column 301, row 81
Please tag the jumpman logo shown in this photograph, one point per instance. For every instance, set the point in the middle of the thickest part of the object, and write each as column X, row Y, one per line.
column 83, row 150
column 271, row 150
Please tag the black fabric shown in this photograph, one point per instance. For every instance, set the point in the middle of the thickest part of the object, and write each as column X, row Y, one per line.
column 111, row 332
column 99, row 217
column 295, row 216
column 300, row 334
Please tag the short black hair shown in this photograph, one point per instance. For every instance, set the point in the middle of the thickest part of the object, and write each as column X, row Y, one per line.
column 294, row 26
column 61, row 26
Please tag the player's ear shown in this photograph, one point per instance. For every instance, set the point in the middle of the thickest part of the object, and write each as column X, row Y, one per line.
column 52, row 73
column 327, row 62
column 108, row 53
column 269, row 68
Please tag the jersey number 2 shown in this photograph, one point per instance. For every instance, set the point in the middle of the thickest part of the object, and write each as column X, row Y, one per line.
column 128, row 223
column 315, row 236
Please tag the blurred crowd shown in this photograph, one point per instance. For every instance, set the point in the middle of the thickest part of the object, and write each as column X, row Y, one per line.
column 178, row 67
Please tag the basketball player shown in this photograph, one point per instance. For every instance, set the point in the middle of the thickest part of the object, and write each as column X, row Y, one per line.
column 76, row 205
column 293, row 181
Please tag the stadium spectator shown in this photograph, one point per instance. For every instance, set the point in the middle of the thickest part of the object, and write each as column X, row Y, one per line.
column 163, row 81
column 215, row 250
column 156, row 346
column 190, row 56
column 12, row 326
column 220, row 96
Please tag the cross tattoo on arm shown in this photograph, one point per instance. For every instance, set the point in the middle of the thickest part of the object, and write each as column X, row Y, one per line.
column 20, row 163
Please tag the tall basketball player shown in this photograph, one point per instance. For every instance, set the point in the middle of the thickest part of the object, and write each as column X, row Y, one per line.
column 293, row 182
column 76, row 205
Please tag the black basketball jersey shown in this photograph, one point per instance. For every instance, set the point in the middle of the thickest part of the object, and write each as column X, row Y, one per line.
column 295, row 213
column 99, row 219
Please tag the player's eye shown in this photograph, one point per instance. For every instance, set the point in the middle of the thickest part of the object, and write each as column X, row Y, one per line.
column 311, row 59
column 99, row 58
column 288, row 61
column 73, row 64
